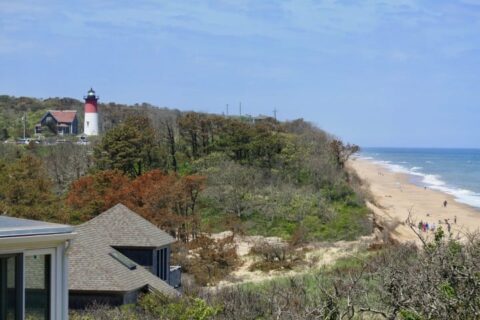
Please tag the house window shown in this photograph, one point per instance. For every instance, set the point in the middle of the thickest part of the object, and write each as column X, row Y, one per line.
column 26, row 286
column 37, row 287
column 10, row 287
column 141, row 256
column 162, row 264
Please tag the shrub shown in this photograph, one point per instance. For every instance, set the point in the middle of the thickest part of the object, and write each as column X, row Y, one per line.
column 152, row 307
column 211, row 260
column 275, row 256
column 185, row 308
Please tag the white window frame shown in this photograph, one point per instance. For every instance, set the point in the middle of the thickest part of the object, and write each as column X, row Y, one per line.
column 53, row 275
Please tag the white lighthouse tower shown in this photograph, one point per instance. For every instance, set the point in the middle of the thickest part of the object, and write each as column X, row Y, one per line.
column 91, row 114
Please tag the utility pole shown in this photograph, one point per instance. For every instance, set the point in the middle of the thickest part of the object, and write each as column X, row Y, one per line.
column 275, row 113
column 227, row 109
column 240, row 108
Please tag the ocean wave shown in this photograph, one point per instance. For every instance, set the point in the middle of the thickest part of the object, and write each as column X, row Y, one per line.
column 395, row 167
column 435, row 182
column 364, row 157
column 461, row 195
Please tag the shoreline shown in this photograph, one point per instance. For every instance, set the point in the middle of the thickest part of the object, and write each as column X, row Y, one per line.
column 395, row 194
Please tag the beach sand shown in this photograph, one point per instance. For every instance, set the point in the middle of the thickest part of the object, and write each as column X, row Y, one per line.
column 394, row 196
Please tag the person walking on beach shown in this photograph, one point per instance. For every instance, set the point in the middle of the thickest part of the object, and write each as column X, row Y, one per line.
column 449, row 227
column 455, row 219
column 445, row 203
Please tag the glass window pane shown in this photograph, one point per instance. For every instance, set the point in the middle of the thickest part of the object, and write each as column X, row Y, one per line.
column 11, row 291
column 37, row 287
column 7, row 288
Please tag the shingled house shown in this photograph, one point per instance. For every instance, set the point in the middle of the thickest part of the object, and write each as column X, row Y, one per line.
column 58, row 122
column 116, row 256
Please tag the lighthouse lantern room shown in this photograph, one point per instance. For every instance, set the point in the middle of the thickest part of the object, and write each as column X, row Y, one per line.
column 91, row 114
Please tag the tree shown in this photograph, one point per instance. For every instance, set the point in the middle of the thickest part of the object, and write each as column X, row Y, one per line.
column 4, row 134
column 91, row 195
column 66, row 163
column 128, row 147
column 187, row 191
column 172, row 146
column 190, row 131
column 166, row 200
column 232, row 186
column 341, row 152
column 267, row 143
column 26, row 190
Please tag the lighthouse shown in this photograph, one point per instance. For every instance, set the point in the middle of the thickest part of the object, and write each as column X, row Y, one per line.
column 91, row 114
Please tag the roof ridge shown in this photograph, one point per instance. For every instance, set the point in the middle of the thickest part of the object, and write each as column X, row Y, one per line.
column 103, row 214
column 121, row 226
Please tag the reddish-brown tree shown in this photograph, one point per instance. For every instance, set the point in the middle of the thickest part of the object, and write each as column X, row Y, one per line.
column 92, row 194
column 166, row 200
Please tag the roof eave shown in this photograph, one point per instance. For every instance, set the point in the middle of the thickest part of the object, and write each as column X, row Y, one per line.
column 54, row 237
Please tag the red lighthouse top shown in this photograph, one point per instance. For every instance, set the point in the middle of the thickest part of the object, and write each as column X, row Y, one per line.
column 91, row 102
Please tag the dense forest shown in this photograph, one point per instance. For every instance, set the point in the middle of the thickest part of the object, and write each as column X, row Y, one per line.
column 195, row 174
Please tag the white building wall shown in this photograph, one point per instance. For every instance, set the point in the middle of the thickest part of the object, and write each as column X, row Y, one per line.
column 59, row 266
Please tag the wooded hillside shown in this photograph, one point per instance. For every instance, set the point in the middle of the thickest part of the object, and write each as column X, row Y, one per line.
column 188, row 172
column 12, row 110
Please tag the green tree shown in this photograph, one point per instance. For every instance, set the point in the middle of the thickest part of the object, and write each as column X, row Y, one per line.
column 129, row 147
column 342, row 152
column 26, row 190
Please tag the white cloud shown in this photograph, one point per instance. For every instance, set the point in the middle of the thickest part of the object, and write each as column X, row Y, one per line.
column 323, row 25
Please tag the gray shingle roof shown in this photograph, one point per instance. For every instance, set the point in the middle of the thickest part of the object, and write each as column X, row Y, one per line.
column 122, row 227
column 92, row 268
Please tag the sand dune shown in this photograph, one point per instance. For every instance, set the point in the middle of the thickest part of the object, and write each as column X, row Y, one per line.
column 395, row 196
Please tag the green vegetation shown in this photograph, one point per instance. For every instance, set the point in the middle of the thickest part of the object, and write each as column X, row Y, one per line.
column 190, row 174
column 152, row 307
column 262, row 178
column 439, row 281
column 403, row 282
column 12, row 109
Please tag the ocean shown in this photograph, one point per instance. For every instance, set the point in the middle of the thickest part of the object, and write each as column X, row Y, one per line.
column 453, row 171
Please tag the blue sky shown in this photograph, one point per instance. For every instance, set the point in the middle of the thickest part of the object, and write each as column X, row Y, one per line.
column 373, row 72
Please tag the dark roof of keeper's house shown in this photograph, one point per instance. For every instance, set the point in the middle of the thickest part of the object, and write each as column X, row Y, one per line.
column 16, row 227
column 63, row 116
column 91, row 264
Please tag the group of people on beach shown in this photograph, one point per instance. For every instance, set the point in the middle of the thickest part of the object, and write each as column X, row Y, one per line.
column 425, row 226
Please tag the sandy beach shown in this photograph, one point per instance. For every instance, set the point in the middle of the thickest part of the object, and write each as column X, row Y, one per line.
column 394, row 196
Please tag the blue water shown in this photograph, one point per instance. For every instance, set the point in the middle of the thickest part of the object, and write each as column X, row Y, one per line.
column 453, row 171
